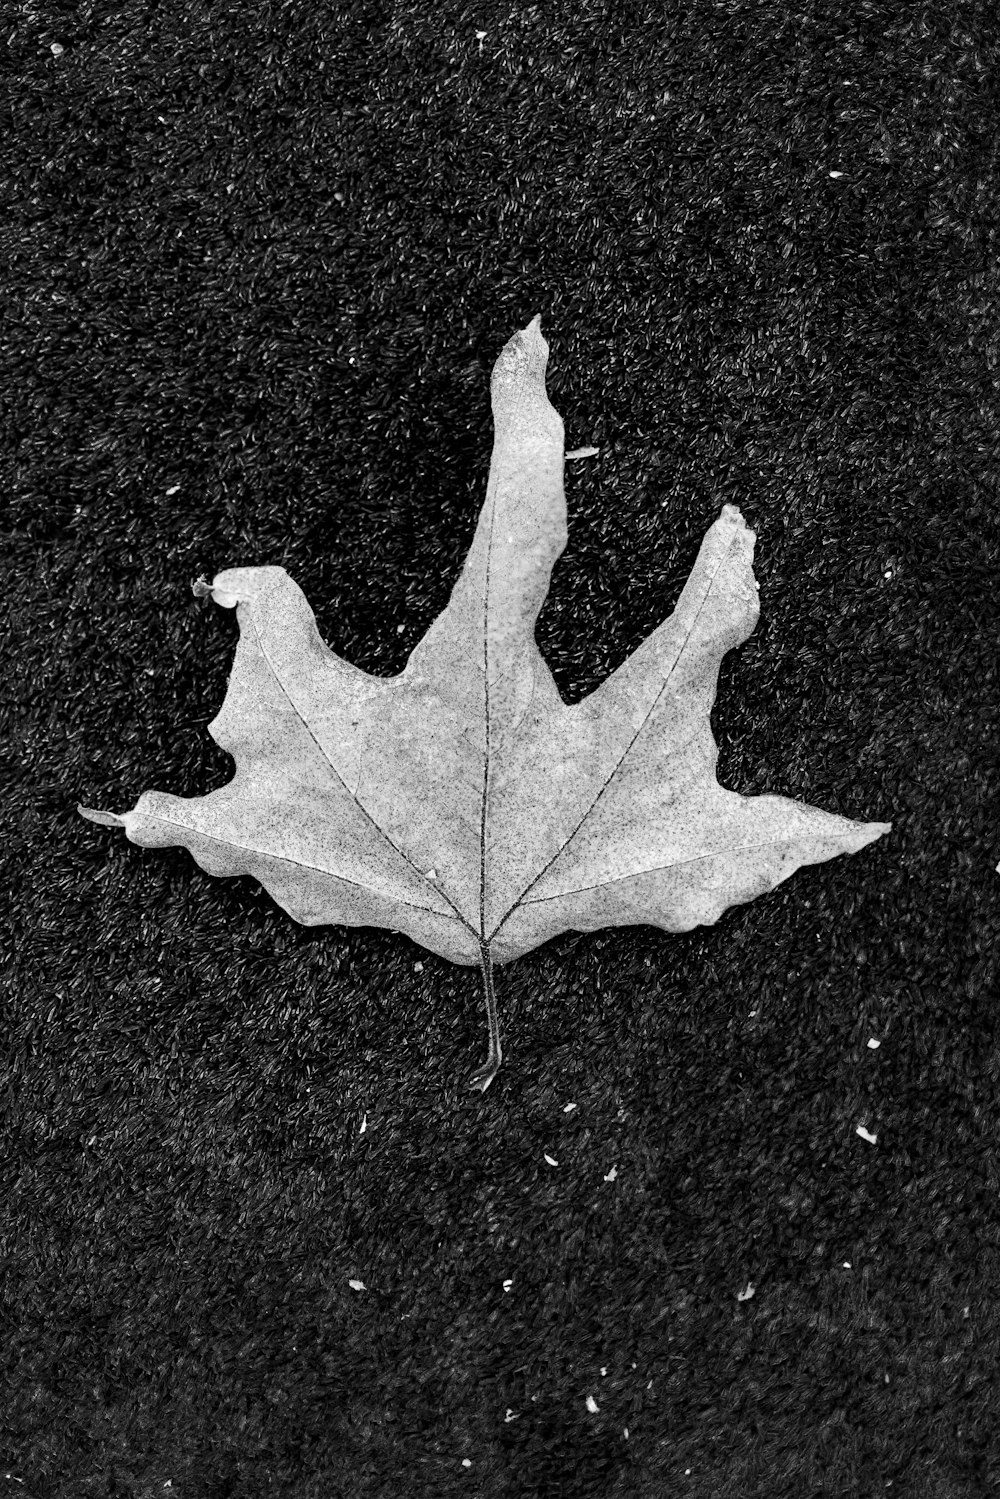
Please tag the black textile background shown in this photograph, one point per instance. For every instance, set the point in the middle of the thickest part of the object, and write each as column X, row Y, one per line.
column 260, row 259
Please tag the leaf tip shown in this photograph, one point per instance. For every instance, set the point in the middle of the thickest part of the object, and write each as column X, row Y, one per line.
column 105, row 819
column 225, row 598
column 870, row 832
column 526, row 346
column 733, row 516
column 518, row 377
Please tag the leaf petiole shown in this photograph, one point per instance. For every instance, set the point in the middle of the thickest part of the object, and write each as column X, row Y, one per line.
column 485, row 1074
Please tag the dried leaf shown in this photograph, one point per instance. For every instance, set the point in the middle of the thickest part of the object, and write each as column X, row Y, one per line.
column 463, row 802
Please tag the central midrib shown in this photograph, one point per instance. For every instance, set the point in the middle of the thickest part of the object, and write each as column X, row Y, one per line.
column 486, row 726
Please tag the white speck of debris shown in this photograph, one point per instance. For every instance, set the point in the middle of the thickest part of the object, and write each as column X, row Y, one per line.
column 510, row 1416
column 364, row 1124
column 592, row 1405
column 551, row 1161
column 507, row 1284
column 746, row 1294
column 965, row 1311
column 873, row 1045
column 604, row 1373
column 583, row 453
column 480, row 35
column 836, row 174
column 432, row 874
column 612, row 1174
column 466, row 1462
column 357, row 1285
column 752, row 1014
column 510, row 539
column 569, row 1108
column 400, row 629
column 418, row 967
column 173, row 489
column 865, row 1135
column 847, row 1264
column 56, row 50
column 625, row 1432
column 888, row 573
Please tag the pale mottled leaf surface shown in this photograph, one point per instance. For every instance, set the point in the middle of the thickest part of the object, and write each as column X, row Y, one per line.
column 463, row 802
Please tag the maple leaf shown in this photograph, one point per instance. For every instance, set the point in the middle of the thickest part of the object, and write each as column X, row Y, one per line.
column 463, row 802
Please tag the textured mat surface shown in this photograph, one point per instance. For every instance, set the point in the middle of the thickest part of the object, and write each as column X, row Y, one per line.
column 702, row 1236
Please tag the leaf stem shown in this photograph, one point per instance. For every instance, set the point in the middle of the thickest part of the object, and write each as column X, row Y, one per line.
column 485, row 1074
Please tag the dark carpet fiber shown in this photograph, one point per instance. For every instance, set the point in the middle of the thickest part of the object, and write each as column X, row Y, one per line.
column 257, row 1237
